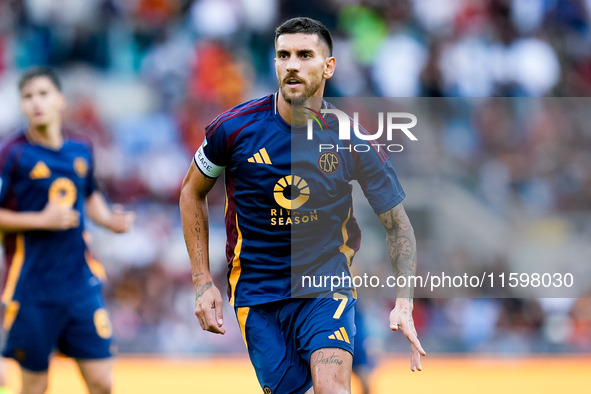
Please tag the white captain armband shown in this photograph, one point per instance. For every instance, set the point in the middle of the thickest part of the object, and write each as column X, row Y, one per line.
column 205, row 165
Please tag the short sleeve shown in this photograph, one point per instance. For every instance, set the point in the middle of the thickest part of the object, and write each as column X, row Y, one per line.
column 91, row 185
column 6, row 167
column 378, row 179
column 213, row 155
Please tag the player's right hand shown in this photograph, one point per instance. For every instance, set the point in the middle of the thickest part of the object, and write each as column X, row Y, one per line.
column 57, row 217
column 121, row 220
column 208, row 299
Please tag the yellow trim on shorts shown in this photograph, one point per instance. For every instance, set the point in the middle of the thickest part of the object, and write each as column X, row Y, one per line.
column 15, row 269
column 242, row 315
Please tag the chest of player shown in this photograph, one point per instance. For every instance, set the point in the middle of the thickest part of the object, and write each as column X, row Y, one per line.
column 285, row 170
column 45, row 175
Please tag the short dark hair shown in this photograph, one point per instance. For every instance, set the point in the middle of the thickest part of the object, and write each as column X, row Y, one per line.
column 40, row 71
column 306, row 26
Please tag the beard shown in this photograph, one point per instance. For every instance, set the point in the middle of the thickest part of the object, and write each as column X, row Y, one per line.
column 300, row 99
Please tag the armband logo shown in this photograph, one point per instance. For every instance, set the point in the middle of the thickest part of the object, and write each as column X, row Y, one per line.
column 205, row 165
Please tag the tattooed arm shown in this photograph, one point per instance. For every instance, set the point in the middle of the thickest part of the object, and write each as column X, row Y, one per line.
column 193, row 206
column 402, row 248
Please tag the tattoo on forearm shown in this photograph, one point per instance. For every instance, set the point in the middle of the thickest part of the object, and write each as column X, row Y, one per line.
column 401, row 246
column 197, row 226
column 395, row 219
column 199, row 257
column 195, row 231
column 202, row 289
column 197, row 243
column 321, row 360
column 404, row 246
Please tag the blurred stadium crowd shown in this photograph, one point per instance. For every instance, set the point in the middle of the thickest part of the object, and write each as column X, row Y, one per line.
column 144, row 77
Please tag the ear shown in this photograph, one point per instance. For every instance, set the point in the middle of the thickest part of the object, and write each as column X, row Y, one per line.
column 276, row 70
column 329, row 65
column 63, row 103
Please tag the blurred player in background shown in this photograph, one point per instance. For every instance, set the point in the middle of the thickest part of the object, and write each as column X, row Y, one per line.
column 297, row 345
column 3, row 381
column 52, row 293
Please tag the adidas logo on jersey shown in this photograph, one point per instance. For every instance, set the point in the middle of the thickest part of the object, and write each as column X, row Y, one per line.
column 261, row 157
column 40, row 171
column 340, row 334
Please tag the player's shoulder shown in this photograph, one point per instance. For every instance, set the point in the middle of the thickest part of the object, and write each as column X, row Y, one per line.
column 331, row 119
column 11, row 144
column 359, row 147
column 78, row 143
column 242, row 114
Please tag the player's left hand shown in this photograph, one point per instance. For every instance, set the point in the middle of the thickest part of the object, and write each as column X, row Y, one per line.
column 401, row 318
column 121, row 220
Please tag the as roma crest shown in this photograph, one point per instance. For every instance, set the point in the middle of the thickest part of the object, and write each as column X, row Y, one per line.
column 328, row 162
column 81, row 166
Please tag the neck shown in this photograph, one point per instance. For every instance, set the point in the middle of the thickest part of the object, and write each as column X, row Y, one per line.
column 49, row 136
column 298, row 118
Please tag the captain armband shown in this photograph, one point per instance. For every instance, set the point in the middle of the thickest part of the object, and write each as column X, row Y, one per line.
column 205, row 165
